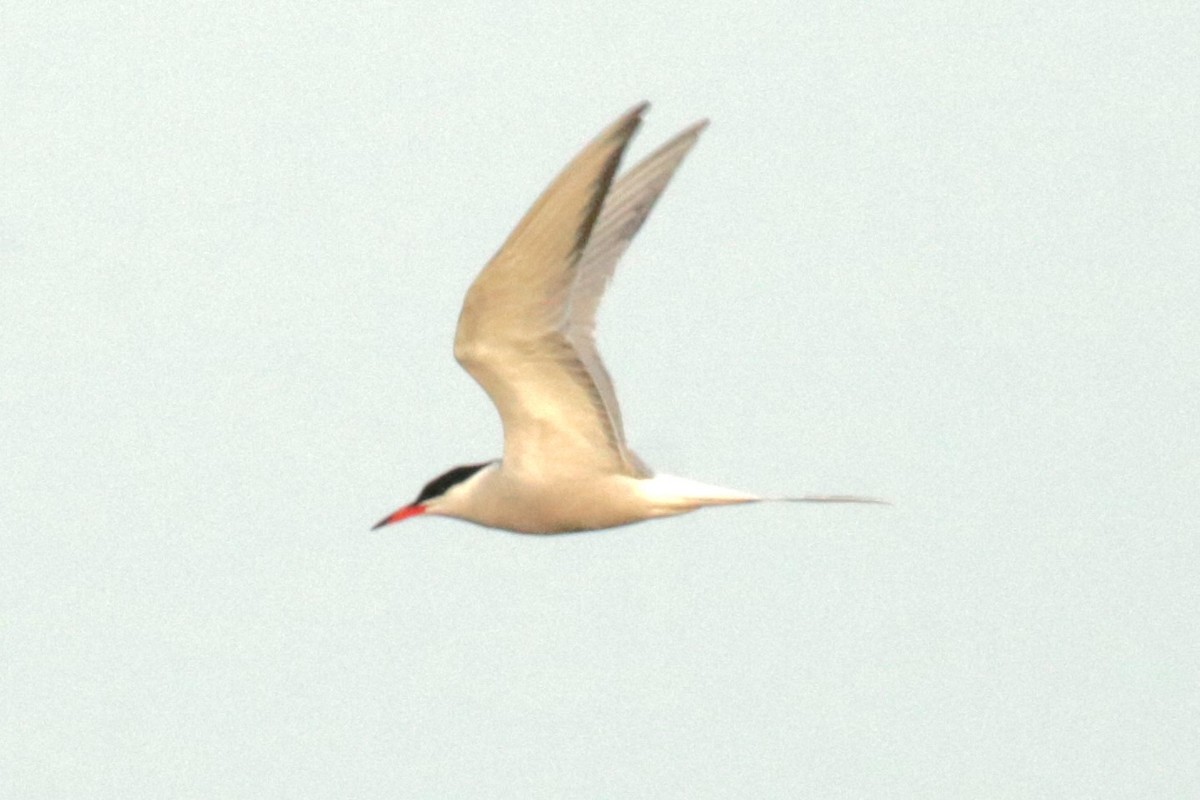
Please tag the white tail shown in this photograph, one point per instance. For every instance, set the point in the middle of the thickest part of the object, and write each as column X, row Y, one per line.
column 831, row 498
column 683, row 493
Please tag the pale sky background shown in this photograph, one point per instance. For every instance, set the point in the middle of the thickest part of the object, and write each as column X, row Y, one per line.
column 941, row 253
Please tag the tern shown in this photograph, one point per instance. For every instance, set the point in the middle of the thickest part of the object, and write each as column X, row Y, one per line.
column 526, row 335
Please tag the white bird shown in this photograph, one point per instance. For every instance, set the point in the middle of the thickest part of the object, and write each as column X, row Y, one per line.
column 526, row 335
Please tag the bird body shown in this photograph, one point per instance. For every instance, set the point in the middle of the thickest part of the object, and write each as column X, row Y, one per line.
column 552, row 503
column 526, row 335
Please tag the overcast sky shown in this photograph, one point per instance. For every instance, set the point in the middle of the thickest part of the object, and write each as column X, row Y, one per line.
column 940, row 253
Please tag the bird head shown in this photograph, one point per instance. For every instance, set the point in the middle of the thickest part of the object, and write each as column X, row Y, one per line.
column 437, row 496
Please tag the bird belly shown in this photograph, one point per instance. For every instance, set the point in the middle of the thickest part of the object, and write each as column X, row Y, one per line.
column 569, row 505
column 528, row 504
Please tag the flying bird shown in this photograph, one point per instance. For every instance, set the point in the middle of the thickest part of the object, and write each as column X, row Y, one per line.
column 526, row 334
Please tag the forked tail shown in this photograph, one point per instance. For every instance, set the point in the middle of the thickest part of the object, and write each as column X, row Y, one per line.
column 830, row 498
column 683, row 493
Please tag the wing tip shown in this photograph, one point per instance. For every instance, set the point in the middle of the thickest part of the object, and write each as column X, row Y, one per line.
column 628, row 122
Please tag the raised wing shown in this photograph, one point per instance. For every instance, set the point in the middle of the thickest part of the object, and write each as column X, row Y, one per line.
column 511, row 332
column 625, row 208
